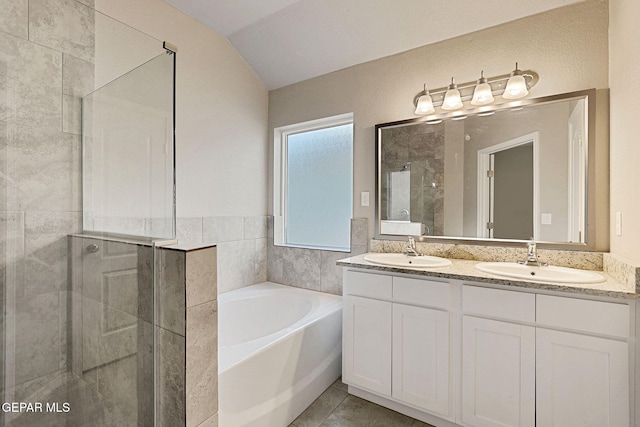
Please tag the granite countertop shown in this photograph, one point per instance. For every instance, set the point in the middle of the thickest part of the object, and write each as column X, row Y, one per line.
column 465, row 270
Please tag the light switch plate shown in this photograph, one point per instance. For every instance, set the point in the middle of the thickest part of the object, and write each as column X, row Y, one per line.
column 618, row 223
column 545, row 219
column 364, row 198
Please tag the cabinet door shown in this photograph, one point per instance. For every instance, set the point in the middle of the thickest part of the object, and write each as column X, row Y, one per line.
column 581, row 380
column 498, row 373
column 421, row 357
column 366, row 345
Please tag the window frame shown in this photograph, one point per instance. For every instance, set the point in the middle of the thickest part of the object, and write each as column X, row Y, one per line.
column 280, row 177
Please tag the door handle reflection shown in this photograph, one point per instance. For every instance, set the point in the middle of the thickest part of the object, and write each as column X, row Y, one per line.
column 93, row 248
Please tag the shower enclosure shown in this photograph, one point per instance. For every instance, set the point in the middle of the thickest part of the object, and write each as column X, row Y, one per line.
column 412, row 190
column 87, row 196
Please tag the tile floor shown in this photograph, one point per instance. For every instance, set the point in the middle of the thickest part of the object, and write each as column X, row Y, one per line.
column 336, row 408
column 88, row 407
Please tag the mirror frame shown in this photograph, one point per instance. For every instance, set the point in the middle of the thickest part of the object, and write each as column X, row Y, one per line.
column 590, row 201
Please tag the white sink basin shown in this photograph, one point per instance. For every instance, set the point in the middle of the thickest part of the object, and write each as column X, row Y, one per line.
column 550, row 273
column 402, row 260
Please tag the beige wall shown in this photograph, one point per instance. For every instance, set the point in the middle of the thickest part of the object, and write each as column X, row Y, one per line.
column 221, row 113
column 568, row 47
column 625, row 126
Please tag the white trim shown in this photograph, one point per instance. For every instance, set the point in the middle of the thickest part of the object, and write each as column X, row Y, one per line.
column 483, row 208
column 280, row 135
column 577, row 171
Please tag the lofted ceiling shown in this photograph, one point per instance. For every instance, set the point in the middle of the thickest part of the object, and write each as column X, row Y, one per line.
column 287, row 41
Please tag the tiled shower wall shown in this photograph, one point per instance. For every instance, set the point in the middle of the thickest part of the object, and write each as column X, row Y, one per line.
column 46, row 66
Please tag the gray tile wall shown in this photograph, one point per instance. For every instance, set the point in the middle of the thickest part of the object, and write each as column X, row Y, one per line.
column 241, row 243
column 311, row 268
column 188, row 342
column 47, row 49
column 423, row 146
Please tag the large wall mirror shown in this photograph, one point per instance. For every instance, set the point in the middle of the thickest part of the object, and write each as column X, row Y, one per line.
column 510, row 173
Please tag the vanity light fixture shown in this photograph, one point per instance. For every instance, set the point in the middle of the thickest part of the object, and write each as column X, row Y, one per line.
column 425, row 103
column 481, row 93
column 516, row 86
column 452, row 100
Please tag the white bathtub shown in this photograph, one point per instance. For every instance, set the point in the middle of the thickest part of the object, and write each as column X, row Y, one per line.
column 279, row 348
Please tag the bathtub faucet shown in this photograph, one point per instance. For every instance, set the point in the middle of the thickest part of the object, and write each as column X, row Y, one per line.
column 411, row 248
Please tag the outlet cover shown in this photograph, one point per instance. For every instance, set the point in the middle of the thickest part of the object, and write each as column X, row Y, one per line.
column 618, row 223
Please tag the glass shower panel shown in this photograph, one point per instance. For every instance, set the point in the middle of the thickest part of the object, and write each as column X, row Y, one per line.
column 128, row 153
column 111, row 380
column 76, row 312
column 128, row 196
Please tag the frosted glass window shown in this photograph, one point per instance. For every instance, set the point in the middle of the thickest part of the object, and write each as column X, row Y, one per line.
column 317, row 187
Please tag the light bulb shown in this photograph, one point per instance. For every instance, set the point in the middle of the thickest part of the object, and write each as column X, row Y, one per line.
column 424, row 105
column 516, row 86
column 452, row 99
column 482, row 93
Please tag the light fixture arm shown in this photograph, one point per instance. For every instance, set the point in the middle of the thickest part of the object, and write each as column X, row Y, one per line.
column 497, row 83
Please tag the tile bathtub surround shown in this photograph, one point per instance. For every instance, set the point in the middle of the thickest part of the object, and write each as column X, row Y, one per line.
column 573, row 259
column 312, row 268
column 241, row 246
column 242, row 249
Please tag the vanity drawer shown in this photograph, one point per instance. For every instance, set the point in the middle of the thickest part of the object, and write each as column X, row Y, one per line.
column 421, row 292
column 509, row 305
column 377, row 286
column 583, row 315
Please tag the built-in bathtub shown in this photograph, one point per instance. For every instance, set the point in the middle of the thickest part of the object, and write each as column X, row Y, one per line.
column 279, row 348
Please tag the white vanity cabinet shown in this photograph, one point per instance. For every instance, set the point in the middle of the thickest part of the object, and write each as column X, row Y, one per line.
column 453, row 353
column 366, row 350
column 582, row 375
column 498, row 358
column 421, row 344
column 408, row 358
column 542, row 360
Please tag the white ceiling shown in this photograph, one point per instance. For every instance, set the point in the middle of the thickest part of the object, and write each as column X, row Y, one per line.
column 287, row 41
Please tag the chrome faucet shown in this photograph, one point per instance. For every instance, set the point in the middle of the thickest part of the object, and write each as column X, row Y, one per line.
column 532, row 256
column 411, row 248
